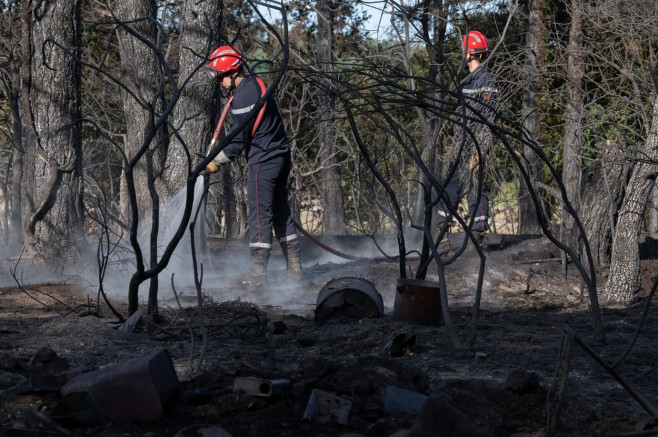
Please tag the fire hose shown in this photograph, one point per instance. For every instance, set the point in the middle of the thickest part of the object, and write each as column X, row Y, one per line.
column 336, row 252
column 320, row 244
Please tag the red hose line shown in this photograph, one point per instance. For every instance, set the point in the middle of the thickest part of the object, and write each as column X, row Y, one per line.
column 357, row 258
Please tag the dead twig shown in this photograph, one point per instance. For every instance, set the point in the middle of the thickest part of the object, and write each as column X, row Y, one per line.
column 556, row 391
column 164, row 330
column 198, row 275
column 189, row 325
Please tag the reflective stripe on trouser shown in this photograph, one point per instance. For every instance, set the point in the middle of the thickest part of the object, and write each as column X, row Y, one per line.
column 267, row 192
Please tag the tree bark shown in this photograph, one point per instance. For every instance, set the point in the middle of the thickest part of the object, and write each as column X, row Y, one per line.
column 603, row 192
column 533, row 67
column 197, row 106
column 573, row 135
column 624, row 278
column 142, row 75
column 652, row 219
column 333, row 212
column 51, row 106
column 14, row 205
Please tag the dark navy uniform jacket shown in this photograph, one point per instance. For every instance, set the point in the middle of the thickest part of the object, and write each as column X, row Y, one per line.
column 480, row 91
column 481, row 88
column 270, row 138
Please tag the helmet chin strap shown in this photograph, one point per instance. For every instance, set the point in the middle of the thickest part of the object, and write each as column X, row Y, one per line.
column 477, row 57
column 233, row 84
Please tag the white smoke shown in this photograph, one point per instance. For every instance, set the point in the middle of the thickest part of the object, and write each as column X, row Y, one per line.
column 223, row 271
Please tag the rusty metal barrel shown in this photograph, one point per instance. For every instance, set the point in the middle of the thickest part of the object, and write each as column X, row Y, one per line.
column 349, row 297
column 417, row 301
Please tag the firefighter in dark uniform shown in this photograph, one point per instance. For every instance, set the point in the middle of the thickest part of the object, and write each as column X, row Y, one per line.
column 480, row 92
column 266, row 147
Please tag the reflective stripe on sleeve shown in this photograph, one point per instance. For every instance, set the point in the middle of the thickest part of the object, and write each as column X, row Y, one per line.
column 487, row 89
column 242, row 110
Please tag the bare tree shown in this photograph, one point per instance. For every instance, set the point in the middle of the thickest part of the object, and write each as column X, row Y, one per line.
column 530, row 111
column 333, row 215
column 434, row 20
column 139, row 41
column 573, row 135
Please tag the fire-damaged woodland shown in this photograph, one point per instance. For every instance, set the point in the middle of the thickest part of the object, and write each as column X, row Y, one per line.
column 244, row 367
column 471, row 184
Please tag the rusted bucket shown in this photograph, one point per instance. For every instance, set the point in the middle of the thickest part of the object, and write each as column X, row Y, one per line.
column 417, row 301
column 349, row 297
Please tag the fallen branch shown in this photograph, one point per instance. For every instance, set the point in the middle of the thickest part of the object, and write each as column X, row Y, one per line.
column 24, row 289
column 556, row 391
column 646, row 403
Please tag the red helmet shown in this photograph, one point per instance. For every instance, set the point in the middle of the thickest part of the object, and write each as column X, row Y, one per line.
column 477, row 43
column 223, row 60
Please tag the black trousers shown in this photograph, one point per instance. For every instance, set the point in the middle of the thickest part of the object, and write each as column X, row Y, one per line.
column 267, row 192
column 466, row 180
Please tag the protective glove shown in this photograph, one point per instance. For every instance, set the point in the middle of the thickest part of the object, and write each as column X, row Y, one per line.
column 214, row 166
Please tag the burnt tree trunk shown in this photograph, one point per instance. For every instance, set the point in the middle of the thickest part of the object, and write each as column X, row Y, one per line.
column 333, row 211
column 573, row 136
column 51, row 102
column 434, row 27
column 534, row 56
column 624, row 279
column 603, row 192
column 145, row 148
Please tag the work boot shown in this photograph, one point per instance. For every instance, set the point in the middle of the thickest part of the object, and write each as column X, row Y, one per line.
column 291, row 250
column 479, row 230
column 479, row 237
column 258, row 268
